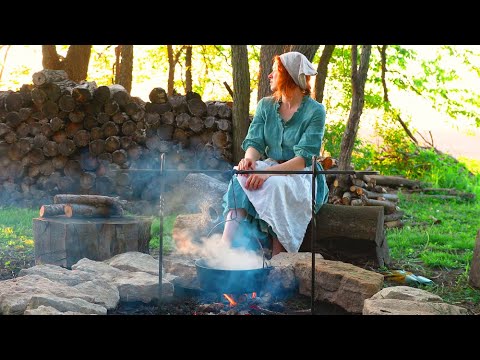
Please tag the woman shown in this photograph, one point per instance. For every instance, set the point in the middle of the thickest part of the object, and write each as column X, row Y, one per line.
column 287, row 129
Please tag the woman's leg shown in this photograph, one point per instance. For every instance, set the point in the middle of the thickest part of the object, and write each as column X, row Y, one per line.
column 232, row 221
column 277, row 247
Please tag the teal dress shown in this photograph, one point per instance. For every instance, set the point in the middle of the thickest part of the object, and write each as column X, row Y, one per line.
column 274, row 138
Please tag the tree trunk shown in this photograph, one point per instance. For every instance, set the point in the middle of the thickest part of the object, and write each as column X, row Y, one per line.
column 359, row 77
column 241, row 98
column 75, row 63
column 188, row 69
column 123, row 76
column 172, row 61
column 322, row 71
column 267, row 52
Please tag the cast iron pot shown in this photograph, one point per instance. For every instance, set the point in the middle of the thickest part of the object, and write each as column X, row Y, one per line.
column 230, row 281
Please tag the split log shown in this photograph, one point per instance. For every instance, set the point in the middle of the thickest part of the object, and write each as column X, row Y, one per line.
column 93, row 200
column 224, row 111
column 50, row 109
column 87, row 180
column 197, row 107
column 56, row 124
column 395, row 216
column 81, row 138
column 158, row 96
column 350, row 234
column 72, row 169
column 52, row 210
column 90, row 122
column 64, row 241
column 120, row 95
column 119, row 156
column 12, row 119
column 102, row 94
column 47, row 76
column 392, row 181
column 182, row 120
column 168, row 118
column 83, row 93
column 178, row 103
column 388, row 206
column 67, row 147
column 111, row 107
column 82, row 210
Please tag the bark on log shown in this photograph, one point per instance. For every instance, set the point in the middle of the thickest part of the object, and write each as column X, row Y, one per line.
column 52, row 210
column 158, row 96
column 350, row 234
column 64, row 241
column 395, row 216
column 93, row 200
column 102, row 94
column 83, row 93
column 120, row 95
column 81, row 210
column 47, row 76
column 197, row 107
column 392, row 181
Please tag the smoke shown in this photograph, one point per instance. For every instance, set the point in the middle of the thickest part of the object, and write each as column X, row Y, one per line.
column 244, row 252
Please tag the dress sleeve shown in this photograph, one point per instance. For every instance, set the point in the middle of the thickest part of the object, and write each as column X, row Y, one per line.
column 255, row 135
column 311, row 140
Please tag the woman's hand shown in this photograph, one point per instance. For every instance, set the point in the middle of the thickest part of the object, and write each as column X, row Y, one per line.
column 255, row 181
column 246, row 164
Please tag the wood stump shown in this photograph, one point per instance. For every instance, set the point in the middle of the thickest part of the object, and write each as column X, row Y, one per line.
column 353, row 234
column 64, row 241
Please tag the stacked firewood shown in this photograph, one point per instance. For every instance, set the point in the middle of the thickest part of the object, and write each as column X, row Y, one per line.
column 70, row 205
column 369, row 190
column 58, row 136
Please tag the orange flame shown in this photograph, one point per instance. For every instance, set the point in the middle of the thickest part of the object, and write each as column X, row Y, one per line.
column 230, row 300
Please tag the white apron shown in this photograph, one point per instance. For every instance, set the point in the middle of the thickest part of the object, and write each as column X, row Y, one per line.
column 284, row 202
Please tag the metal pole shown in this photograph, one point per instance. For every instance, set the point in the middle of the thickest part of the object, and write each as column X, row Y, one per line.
column 313, row 235
column 160, row 251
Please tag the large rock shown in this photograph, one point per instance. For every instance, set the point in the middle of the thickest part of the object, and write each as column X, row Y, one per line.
column 15, row 294
column 339, row 283
column 281, row 280
column 405, row 300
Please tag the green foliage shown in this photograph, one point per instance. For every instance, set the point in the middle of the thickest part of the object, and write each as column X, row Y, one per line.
column 168, row 244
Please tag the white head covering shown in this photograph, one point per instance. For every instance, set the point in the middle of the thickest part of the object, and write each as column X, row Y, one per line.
column 298, row 66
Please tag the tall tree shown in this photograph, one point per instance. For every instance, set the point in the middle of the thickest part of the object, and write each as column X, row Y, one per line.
column 188, row 68
column 386, row 102
column 173, row 56
column 358, row 79
column 241, row 98
column 308, row 50
column 267, row 52
column 124, row 66
column 75, row 63
column 322, row 71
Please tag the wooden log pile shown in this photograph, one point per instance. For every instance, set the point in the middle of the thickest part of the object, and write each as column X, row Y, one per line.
column 369, row 190
column 58, row 136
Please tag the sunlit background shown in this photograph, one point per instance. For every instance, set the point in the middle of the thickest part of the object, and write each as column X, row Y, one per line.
column 459, row 139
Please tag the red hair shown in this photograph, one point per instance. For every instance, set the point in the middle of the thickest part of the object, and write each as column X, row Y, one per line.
column 285, row 83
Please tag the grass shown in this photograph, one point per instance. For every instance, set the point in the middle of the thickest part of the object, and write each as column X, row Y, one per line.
column 437, row 242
